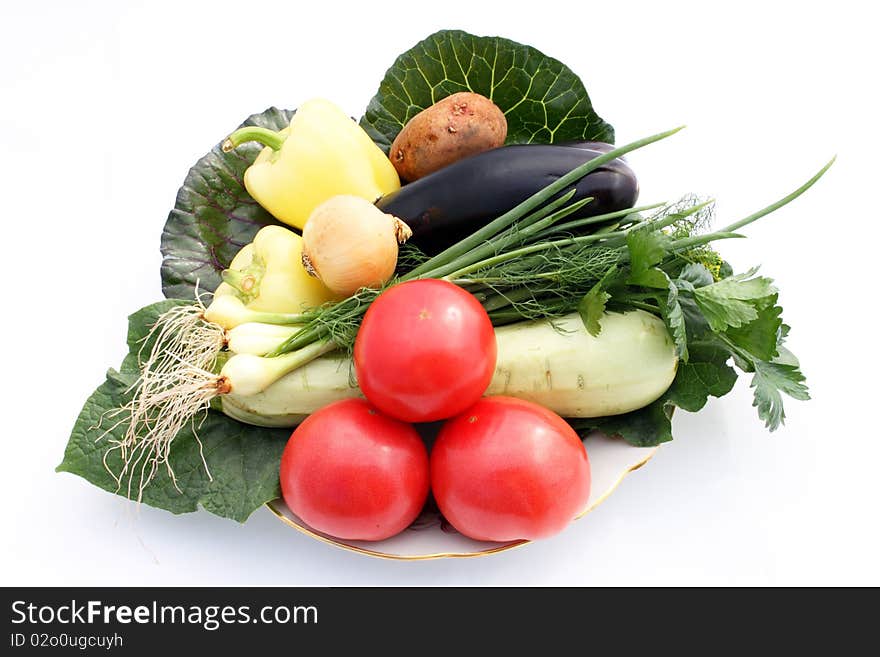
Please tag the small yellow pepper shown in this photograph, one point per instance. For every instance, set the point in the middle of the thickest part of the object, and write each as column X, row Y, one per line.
column 266, row 281
column 323, row 153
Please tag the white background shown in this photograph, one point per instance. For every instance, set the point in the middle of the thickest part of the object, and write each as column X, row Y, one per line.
column 106, row 105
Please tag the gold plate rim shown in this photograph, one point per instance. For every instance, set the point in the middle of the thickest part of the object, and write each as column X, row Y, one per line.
column 447, row 555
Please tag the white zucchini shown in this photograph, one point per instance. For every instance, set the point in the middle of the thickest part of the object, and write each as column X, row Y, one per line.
column 289, row 400
column 627, row 366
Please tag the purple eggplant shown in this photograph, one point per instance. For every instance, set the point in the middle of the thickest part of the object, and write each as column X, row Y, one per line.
column 450, row 204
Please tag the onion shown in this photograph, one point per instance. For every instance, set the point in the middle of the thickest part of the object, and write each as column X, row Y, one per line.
column 258, row 339
column 349, row 243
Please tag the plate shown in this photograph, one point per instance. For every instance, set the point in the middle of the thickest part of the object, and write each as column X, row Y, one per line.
column 431, row 537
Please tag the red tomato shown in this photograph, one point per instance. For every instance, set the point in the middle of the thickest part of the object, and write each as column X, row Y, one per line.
column 353, row 473
column 508, row 469
column 425, row 351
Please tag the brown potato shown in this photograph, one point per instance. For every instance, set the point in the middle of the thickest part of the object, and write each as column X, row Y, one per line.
column 460, row 125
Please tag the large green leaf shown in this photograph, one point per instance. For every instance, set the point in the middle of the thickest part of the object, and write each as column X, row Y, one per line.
column 705, row 374
column 214, row 216
column 243, row 460
column 644, row 427
column 543, row 100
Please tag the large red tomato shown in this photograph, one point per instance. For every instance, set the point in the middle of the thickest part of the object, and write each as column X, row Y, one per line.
column 353, row 473
column 425, row 351
column 508, row 469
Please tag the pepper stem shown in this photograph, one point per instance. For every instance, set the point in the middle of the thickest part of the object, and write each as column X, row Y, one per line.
column 264, row 136
column 242, row 282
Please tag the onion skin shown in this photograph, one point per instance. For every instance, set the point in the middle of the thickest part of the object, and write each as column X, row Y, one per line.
column 349, row 244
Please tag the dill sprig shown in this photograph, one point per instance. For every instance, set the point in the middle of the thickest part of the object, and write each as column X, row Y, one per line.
column 409, row 256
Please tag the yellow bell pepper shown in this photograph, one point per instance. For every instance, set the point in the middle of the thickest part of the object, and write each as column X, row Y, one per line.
column 322, row 153
column 266, row 282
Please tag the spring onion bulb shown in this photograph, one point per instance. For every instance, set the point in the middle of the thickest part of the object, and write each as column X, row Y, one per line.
column 349, row 244
column 247, row 374
column 256, row 338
